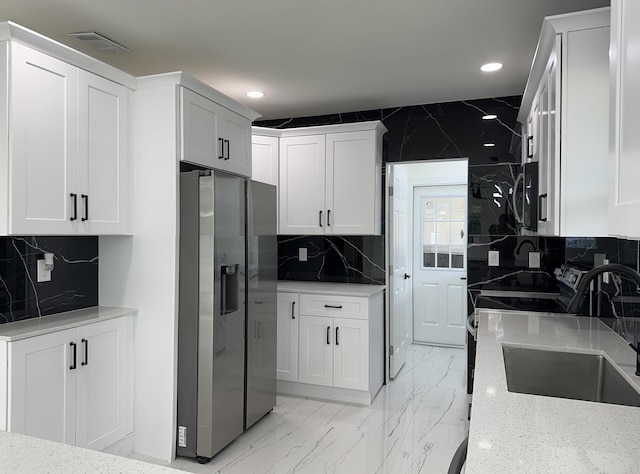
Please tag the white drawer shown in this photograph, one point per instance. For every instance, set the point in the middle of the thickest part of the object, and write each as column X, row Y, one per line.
column 334, row 306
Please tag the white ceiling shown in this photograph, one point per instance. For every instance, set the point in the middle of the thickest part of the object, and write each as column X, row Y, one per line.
column 314, row 57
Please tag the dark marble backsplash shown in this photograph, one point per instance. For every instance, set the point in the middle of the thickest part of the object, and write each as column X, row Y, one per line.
column 357, row 259
column 74, row 279
column 453, row 130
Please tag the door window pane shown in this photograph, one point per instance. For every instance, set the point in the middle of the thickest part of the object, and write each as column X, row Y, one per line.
column 443, row 228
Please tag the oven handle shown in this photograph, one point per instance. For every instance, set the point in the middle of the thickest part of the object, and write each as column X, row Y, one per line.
column 471, row 327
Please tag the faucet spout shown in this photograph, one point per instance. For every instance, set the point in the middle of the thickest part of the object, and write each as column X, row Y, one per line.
column 581, row 291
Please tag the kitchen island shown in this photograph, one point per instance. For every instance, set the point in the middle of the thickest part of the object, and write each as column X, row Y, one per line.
column 515, row 432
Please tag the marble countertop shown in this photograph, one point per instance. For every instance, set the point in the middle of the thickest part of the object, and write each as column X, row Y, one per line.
column 514, row 432
column 322, row 288
column 60, row 321
column 24, row 454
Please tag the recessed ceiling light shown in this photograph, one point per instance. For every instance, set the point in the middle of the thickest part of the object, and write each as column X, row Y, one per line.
column 490, row 67
column 489, row 144
column 255, row 94
column 489, row 117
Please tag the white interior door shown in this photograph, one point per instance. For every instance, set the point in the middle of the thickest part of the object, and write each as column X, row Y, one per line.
column 400, row 304
column 439, row 264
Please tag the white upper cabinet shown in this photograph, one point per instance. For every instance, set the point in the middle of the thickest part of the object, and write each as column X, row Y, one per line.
column 43, row 150
column 103, row 163
column 330, row 180
column 302, row 185
column 213, row 136
column 264, row 157
column 624, row 143
column 199, row 129
column 65, row 147
column 565, row 114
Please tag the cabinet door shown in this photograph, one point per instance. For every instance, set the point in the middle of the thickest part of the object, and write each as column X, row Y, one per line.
column 235, row 133
column 102, row 383
column 352, row 172
column 302, row 185
column 264, row 159
column 102, row 155
column 199, row 130
column 552, row 146
column 624, row 103
column 316, row 350
column 42, row 386
column 351, row 354
column 287, row 365
column 43, row 143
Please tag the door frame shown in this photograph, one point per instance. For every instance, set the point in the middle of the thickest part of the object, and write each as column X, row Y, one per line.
column 446, row 172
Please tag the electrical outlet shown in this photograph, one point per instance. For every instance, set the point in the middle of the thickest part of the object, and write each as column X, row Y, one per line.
column 494, row 258
column 302, row 254
column 534, row 259
column 605, row 275
column 43, row 273
column 598, row 259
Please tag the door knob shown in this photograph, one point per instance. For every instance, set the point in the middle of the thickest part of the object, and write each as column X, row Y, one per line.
column 407, row 276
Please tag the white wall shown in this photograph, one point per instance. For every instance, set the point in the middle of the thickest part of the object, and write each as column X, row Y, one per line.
column 141, row 271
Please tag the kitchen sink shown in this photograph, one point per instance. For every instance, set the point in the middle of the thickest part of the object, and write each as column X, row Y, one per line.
column 588, row 377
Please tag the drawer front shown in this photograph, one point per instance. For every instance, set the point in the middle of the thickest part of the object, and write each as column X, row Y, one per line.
column 350, row 307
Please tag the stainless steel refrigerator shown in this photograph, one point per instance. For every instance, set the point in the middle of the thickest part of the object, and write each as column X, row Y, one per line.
column 227, row 309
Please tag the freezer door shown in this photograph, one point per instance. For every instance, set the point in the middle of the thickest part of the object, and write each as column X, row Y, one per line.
column 221, row 338
column 262, row 275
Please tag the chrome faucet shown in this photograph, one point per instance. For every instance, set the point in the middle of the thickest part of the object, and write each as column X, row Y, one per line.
column 578, row 299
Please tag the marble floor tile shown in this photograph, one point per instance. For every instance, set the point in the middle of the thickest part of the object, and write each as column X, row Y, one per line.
column 414, row 425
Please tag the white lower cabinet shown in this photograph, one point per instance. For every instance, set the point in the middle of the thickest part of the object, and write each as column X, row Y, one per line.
column 334, row 352
column 287, row 315
column 71, row 386
column 338, row 343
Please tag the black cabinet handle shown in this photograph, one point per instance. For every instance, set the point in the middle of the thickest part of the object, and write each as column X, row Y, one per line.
column 74, row 364
column 530, row 146
column 328, row 334
column 407, row 276
column 86, row 352
column 333, row 306
column 540, row 207
column 221, row 142
column 74, row 196
column 329, row 218
column 293, row 310
column 337, row 342
column 86, row 207
column 320, row 218
column 228, row 155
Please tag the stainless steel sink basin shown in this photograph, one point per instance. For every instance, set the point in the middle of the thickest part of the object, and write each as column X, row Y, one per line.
column 567, row 375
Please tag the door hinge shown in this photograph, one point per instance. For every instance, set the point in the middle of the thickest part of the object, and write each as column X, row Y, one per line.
column 390, row 269
column 390, row 190
column 391, row 349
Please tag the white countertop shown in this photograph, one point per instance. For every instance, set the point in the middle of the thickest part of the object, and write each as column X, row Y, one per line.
column 514, row 432
column 20, row 454
column 60, row 321
column 322, row 288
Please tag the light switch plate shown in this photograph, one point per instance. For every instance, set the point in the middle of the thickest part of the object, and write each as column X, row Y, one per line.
column 598, row 259
column 534, row 259
column 302, row 254
column 43, row 273
column 494, row 258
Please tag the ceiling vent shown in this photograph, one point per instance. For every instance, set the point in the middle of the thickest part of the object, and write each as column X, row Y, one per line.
column 99, row 42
